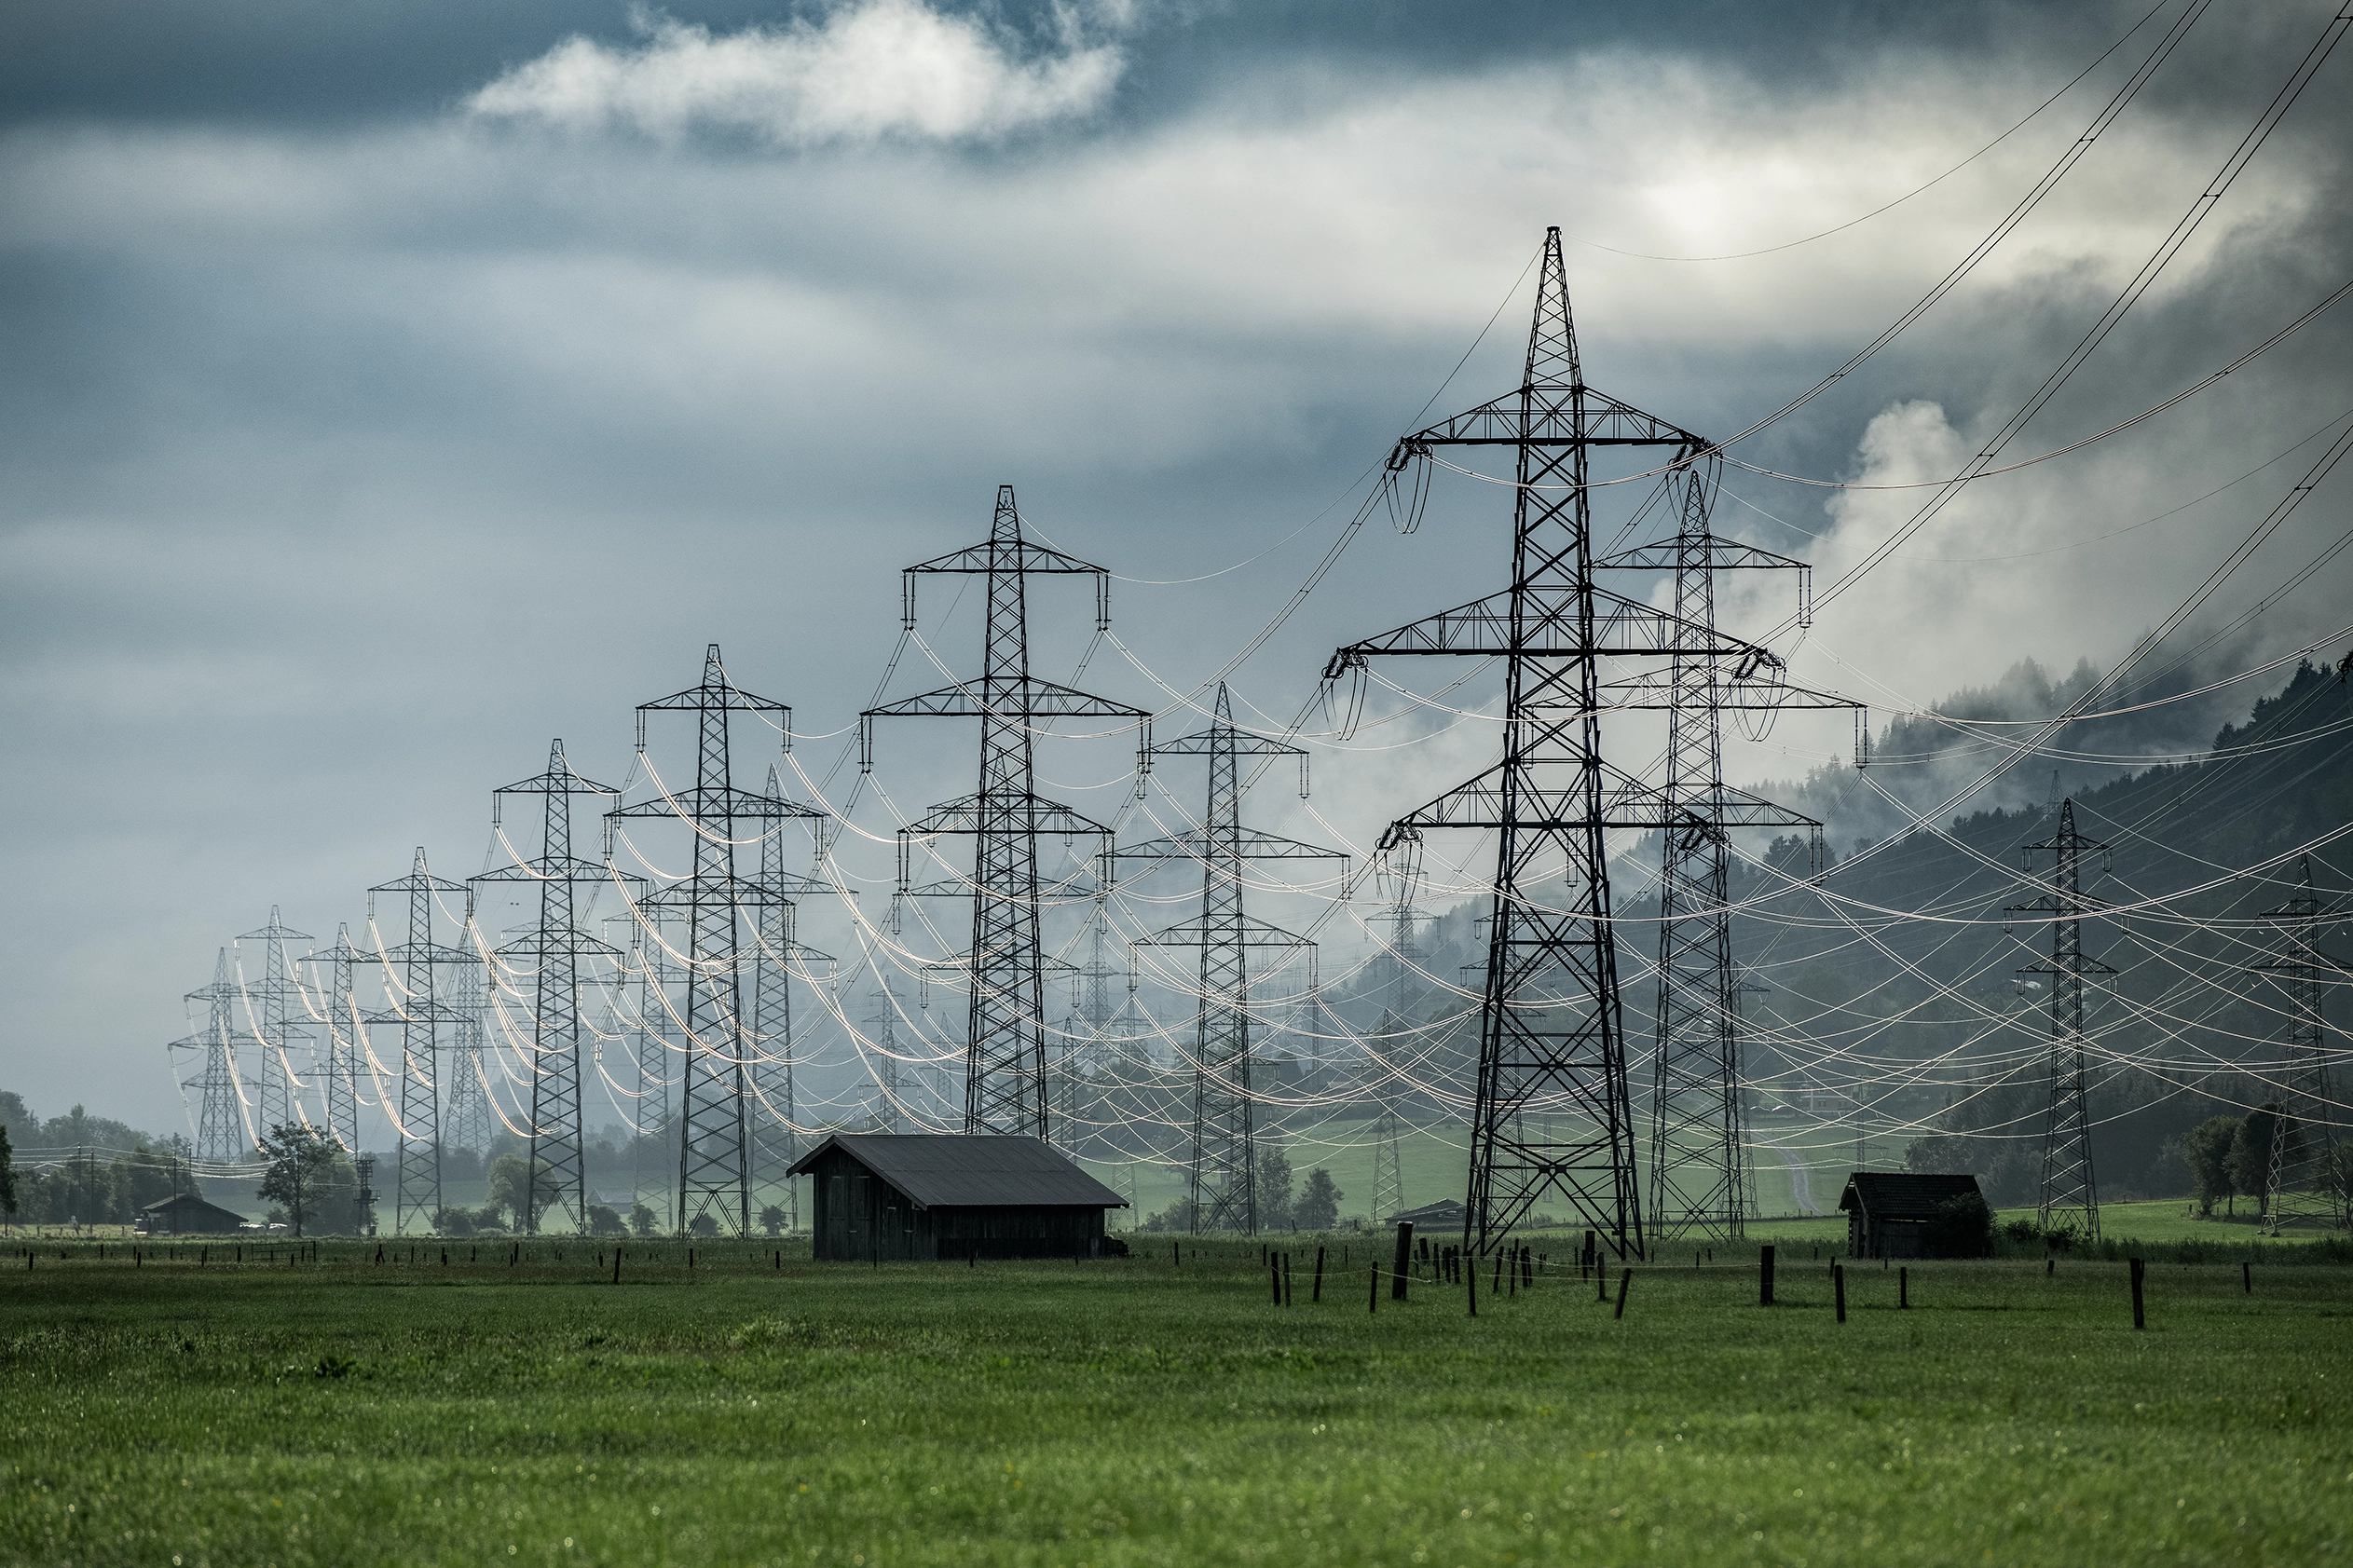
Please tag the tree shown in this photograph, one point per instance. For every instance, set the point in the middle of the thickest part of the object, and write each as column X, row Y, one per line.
column 1318, row 1206
column 2251, row 1152
column 2206, row 1148
column 603, row 1220
column 510, row 1174
column 299, row 1159
column 7, row 1173
column 1274, row 1186
column 643, row 1219
column 1962, row 1227
column 772, row 1218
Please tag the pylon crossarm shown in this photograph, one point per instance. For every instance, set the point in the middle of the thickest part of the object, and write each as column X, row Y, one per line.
column 1552, row 624
column 1030, row 697
column 1249, row 845
column 964, row 816
column 1551, row 415
column 1250, row 932
column 1720, row 554
column 715, row 800
column 1656, row 689
column 1008, row 556
column 539, row 944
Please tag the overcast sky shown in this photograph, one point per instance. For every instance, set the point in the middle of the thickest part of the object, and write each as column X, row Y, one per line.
column 387, row 387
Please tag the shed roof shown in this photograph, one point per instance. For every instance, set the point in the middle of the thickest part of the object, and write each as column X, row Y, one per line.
column 1446, row 1211
column 971, row 1170
column 1888, row 1194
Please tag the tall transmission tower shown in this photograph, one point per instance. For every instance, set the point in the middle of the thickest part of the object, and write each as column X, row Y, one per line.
column 1005, row 1041
column 715, row 1173
column 1404, row 861
column 2069, row 1192
column 1553, row 1111
column 341, row 1070
column 1223, row 1181
column 654, row 1053
column 888, row 1111
column 224, row 1137
column 415, row 993
column 548, row 958
column 2301, row 1184
column 1699, row 1133
column 466, row 1116
column 1388, row 1162
column 776, row 1141
column 271, row 1005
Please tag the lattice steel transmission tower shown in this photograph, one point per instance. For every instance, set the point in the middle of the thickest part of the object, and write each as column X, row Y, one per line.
column 2069, row 1189
column 224, row 1134
column 1388, row 1151
column 2303, row 1184
column 340, row 1010
column 415, row 993
column 1552, row 1110
column 1005, row 1049
column 1222, row 1179
column 466, row 1117
column 775, row 1143
column 1699, row 1134
column 547, row 960
column 271, row 1006
column 655, row 1055
column 715, row 1173
column 889, row 1113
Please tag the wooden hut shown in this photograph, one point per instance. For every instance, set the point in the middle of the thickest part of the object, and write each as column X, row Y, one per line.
column 184, row 1214
column 1886, row 1211
column 953, row 1196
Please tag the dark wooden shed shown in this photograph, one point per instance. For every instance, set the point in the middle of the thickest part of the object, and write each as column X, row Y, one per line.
column 1887, row 1211
column 952, row 1195
column 187, row 1215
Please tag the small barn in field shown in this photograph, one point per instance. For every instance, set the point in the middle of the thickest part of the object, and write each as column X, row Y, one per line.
column 952, row 1195
column 1888, row 1211
column 187, row 1215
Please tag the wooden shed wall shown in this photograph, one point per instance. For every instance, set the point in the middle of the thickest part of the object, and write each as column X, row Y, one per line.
column 862, row 1216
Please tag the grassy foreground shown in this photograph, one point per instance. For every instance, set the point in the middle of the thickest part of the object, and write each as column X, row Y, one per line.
column 342, row 1411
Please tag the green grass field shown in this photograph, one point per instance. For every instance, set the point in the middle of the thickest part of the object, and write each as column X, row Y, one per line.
column 342, row 1411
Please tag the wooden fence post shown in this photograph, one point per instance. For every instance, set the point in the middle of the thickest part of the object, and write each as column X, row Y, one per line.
column 1764, row 1277
column 1838, row 1290
column 1903, row 1289
column 1373, row 1301
column 1274, row 1269
column 2247, row 1276
column 1404, row 1262
column 2139, row 1318
column 1315, row 1291
column 1624, row 1276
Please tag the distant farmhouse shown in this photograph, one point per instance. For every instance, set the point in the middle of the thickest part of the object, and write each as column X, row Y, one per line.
column 947, row 1196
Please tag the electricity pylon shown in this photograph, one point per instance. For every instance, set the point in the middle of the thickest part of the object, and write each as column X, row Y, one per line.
column 1553, row 1111
column 224, row 1137
column 1405, row 861
column 1388, row 1165
column 414, row 990
column 1222, row 1182
column 339, row 1012
column 1699, row 1133
column 888, row 1112
column 2302, row 1183
column 715, row 1172
column 776, row 1141
column 270, row 1007
column 466, row 1116
column 654, row 1055
column 2068, row 1189
column 548, row 958
column 1005, row 1041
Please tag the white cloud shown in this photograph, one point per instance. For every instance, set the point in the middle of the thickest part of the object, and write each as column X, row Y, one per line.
column 872, row 69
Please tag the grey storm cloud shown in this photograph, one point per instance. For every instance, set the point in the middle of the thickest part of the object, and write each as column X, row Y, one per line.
column 390, row 388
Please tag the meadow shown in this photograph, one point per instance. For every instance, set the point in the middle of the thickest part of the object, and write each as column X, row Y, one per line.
column 189, row 1408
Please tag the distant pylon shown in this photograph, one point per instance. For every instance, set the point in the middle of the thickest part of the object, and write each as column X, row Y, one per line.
column 543, row 965
column 1553, row 1111
column 428, row 1025
column 775, row 1110
column 340, row 1015
column 2069, row 1191
column 889, row 1116
column 1005, row 1049
column 1389, row 1164
column 715, row 1173
column 1222, row 1182
column 1699, row 1133
column 657, row 1063
column 224, row 1132
column 466, row 1117
column 1404, row 861
column 2302, row 1183
column 271, row 1005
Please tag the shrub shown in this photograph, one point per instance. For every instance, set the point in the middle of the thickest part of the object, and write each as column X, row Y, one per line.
column 604, row 1221
column 1962, row 1228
